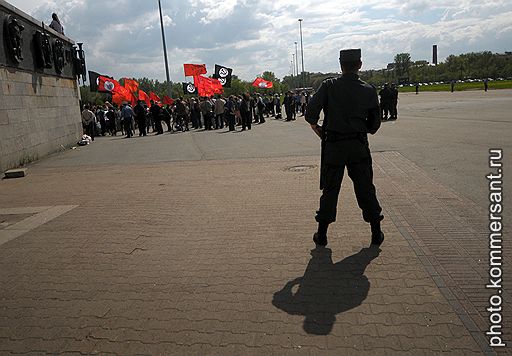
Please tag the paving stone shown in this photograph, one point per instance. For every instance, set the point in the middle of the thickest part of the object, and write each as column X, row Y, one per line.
column 209, row 258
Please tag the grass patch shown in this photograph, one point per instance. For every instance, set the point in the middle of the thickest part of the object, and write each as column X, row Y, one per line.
column 502, row 84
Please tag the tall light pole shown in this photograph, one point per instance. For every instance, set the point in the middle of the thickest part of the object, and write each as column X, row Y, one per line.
column 293, row 64
column 296, row 60
column 302, row 53
column 165, row 50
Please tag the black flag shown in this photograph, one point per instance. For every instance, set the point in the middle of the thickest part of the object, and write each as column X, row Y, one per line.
column 223, row 74
column 93, row 81
column 189, row 88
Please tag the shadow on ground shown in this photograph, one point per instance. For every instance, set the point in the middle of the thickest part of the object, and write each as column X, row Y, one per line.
column 326, row 289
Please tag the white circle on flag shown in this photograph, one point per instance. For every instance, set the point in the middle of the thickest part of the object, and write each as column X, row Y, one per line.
column 191, row 88
column 263, row 85
column 223, row 72
column 109, row 86
column 222, row 81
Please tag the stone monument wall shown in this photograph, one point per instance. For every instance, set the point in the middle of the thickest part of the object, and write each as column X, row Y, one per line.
column 39, row 93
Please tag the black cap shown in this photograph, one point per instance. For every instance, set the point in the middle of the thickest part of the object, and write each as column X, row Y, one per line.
column 350, row 55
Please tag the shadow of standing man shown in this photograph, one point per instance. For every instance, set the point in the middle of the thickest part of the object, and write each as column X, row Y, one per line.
column 326, row 289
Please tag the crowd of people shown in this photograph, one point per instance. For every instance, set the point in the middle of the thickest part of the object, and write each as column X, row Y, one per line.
column 194, row 113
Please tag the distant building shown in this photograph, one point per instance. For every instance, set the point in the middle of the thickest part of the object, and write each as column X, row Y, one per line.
column 420, row 63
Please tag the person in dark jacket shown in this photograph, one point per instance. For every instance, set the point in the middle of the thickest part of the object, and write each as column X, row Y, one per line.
column 156, row 112
column 56, row 24
column 245, row 112
column 385, row 101
column 351, row 111
column 140, row 117
column 289, row 104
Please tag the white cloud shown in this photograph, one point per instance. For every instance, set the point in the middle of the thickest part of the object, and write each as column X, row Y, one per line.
column 122, row 37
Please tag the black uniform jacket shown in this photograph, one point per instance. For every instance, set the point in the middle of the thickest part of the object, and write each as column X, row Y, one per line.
column 351, row 111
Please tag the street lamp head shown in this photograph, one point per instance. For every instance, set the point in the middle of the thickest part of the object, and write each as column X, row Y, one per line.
column 301, row 19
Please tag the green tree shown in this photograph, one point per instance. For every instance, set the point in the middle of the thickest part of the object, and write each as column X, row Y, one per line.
column 95, row 98
column 402, row 65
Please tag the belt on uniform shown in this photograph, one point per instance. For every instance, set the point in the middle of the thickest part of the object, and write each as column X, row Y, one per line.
column 336, row 136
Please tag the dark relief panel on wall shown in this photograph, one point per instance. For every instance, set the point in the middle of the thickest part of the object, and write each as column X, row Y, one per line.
column 32, row 46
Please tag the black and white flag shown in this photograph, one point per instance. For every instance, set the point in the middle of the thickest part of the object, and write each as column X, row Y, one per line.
column 223, row 74
column 189, row 88
column 94, row 81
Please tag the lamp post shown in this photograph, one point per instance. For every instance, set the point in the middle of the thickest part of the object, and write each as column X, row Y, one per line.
column 302, row 53
column 296, row 60
column 165, row 50
column 293, row 65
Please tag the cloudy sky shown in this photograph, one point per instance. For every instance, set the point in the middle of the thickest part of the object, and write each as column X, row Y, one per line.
column 122, row 37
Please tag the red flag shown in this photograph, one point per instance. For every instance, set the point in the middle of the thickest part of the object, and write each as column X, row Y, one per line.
column 121, row 94
column 167, row 101
column 154, row 97
column 131, row 85
column 262, row 83
column 117, row 99
column 144, row 96
column 107, row 84
column 217, row 86
column 207, row 86
column 192, row 70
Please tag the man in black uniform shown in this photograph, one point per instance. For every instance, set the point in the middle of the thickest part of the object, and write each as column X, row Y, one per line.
column 351, row 110
column 385, row 101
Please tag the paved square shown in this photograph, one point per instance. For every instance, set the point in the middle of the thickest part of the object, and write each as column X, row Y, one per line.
column 153, row 246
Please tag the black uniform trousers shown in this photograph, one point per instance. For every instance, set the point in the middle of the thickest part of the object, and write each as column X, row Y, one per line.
column 246, row 119
column 361, row 174
column 141, row 123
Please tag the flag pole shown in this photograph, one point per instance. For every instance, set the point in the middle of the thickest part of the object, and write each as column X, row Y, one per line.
column 165, row 50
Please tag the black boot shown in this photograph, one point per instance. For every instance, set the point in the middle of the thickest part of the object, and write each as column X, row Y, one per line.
column 377, row 234
column 320, row 237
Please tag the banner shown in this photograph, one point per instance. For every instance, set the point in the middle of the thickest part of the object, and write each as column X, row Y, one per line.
column 144, row 97
column 207, row 86
column 167, row 101
column 118, row 98
column 131, row 85
column 223, row 74
column 154, row 97
column 108, row 85
column 262, row 83
column 133, row 100
column 189, row 88
column 192, row 70
column 121, row 94
column 94, row 80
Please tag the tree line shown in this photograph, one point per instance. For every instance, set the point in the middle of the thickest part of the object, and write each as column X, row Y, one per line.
column 473, row 65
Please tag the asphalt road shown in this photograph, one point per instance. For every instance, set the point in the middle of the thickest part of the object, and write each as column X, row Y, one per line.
column 446, row 134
